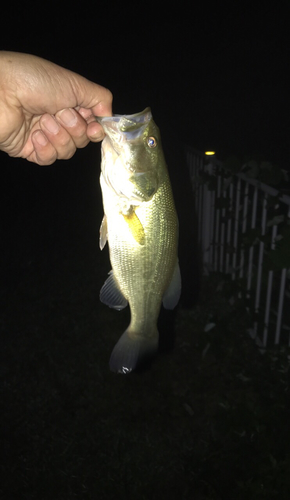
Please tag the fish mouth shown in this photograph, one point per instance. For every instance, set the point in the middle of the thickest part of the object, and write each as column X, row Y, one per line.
column 123, row 128
column 123, row 133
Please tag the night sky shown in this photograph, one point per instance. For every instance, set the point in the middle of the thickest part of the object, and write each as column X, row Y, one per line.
column 214, row 78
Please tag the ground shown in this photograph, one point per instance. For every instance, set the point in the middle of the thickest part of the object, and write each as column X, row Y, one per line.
column 208, row 420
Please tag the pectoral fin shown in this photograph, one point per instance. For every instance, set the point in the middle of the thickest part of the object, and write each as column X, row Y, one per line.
column 111, row 294
column 103, row 233
column 135, row 227
column 172, row 294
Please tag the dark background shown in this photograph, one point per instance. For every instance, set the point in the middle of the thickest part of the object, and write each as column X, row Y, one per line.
column 215, row 78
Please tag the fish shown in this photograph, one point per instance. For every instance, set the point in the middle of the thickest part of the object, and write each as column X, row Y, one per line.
column 140, row 224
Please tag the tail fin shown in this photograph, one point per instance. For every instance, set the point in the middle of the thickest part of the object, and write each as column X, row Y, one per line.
column 132, row 351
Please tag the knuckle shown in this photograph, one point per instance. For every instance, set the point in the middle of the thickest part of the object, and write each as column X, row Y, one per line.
column 66, row 153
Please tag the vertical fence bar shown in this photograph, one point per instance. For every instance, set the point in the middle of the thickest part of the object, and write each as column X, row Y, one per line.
column 206, row 222
column 244, row 227
column 200, row 213
column 269, row 292
column 280, row 306
column 229, row 227
column 217, row 227
column 222, row 234
column 212, row 222
column 236, row 229
column 251, row 251
column 260, row 262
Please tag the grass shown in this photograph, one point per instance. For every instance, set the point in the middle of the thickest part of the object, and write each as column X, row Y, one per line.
column 208, row 420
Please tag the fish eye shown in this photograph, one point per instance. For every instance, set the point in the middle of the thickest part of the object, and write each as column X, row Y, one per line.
column 151, row 141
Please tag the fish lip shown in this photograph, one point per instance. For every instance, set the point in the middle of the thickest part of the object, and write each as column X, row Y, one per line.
column 141, row 117
column 126, row 127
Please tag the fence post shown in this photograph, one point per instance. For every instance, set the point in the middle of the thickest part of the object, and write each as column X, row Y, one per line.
column 207, row 222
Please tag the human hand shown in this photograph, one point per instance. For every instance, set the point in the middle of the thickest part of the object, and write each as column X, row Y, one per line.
column 46, row 111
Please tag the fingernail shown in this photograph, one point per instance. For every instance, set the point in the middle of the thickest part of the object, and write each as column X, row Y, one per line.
column 95, row 132
column 68, row 117
column 96, row 137
column 50, row 124
column 40, row 138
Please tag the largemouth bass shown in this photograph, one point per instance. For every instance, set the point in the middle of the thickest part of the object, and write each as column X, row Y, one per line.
column 141, row 227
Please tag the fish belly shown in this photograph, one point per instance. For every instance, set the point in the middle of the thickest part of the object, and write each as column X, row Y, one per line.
column 142, row 271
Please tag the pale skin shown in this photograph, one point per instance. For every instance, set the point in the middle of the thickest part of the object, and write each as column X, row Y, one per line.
column 46, row 111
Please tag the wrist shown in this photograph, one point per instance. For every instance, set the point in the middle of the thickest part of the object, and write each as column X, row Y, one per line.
column 8, row 102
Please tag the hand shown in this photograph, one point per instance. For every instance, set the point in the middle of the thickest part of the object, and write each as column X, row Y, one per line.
column 46, row 111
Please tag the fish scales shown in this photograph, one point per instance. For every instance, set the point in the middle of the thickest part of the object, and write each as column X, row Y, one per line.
column 141, row 227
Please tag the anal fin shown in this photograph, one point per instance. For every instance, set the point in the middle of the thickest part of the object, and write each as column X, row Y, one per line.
column 172, row 294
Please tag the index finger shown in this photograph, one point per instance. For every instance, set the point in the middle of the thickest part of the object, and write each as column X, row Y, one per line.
column 94, row 97
column 104, row 108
